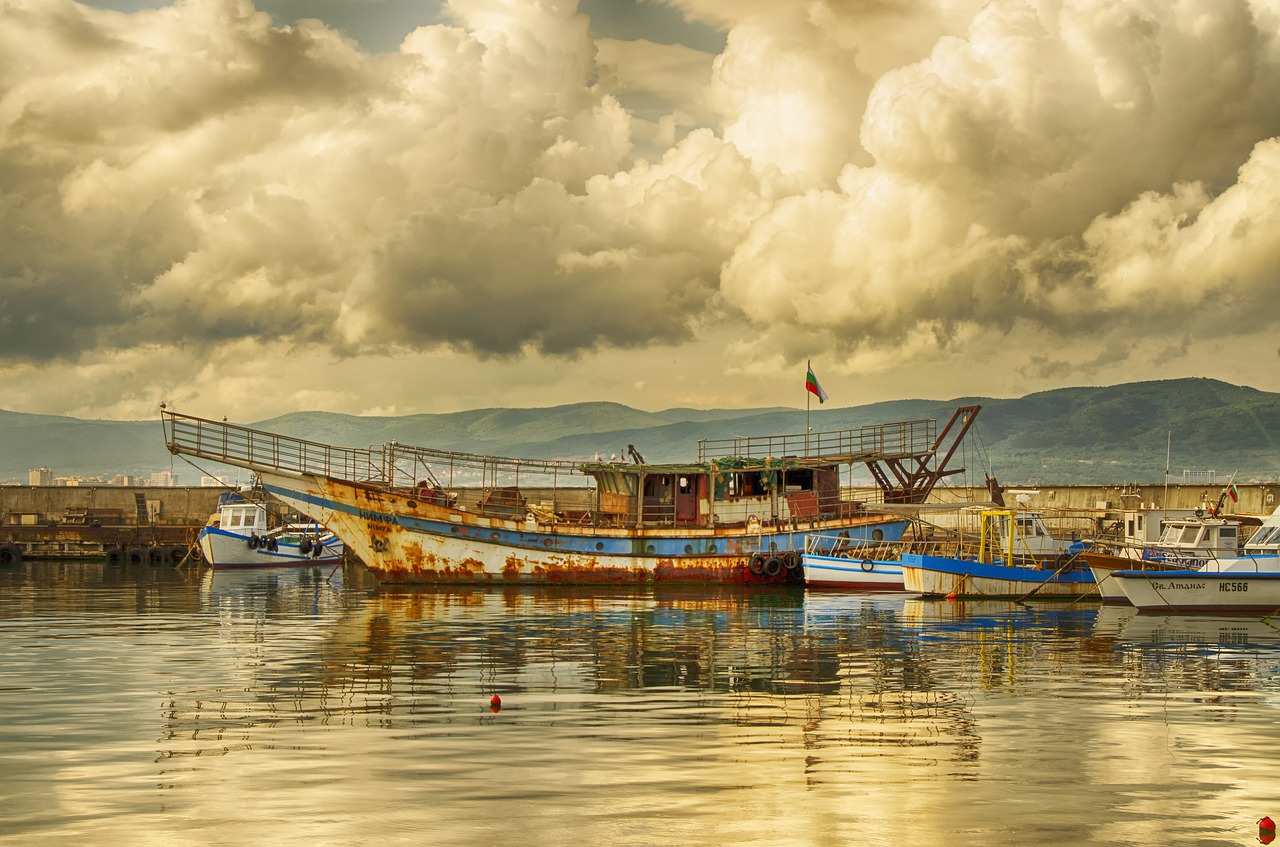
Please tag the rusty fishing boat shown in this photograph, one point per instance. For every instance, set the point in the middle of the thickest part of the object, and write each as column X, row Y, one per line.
column 740, row 513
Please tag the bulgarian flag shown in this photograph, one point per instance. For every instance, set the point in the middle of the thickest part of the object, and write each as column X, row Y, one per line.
column 1233, row 494
column 811, row 385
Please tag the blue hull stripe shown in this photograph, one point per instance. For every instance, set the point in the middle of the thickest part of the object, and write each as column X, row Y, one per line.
column 595, row 545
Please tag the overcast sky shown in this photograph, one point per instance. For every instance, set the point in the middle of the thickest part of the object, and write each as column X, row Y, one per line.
column 400, row 206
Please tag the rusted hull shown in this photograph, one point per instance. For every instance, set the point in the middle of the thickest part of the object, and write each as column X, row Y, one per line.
column 409, row 541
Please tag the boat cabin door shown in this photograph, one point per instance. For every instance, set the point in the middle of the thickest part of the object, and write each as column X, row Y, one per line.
column 687, row 497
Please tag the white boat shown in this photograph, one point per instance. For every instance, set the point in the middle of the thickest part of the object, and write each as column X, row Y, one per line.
column 1249, row 582
column 739, row 513
column 833, row 561
column 1185, row 542
column 241, row 535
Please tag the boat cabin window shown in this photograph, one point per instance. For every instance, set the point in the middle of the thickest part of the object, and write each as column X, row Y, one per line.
column 1267, row 535
column 1189, row 535
column 1030, row 527
column 1227, row 534
column 749, row 484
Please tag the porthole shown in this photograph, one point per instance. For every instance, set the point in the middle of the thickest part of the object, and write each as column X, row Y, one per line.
column 599, row 546
column 688, row 548
column 412, row 504
column 711, row 549
column 649, row 548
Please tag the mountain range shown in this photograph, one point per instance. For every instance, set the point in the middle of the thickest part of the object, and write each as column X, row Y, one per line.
column 1124, row 433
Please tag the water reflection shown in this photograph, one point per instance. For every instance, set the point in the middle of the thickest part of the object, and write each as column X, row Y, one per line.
column 682, row 715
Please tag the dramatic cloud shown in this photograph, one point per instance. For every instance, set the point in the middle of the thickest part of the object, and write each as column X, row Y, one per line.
column 900, row 189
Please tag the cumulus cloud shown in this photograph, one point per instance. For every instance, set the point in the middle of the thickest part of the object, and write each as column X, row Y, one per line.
column 889, row 184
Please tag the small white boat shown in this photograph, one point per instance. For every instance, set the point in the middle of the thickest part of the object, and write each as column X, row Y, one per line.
column 240, row 535
column 1246, row 583
column 836, row 561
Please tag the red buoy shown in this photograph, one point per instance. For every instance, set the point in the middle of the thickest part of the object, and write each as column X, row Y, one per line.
column 1266, row 830
column 495, row 703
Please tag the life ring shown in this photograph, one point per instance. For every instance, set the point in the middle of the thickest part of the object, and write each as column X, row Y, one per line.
column 868, row 565
column 253, row 541
column 756, row 564
column 773, row 566
column 791, row 560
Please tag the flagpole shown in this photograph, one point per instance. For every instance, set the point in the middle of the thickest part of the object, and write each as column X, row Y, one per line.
column 807, row 401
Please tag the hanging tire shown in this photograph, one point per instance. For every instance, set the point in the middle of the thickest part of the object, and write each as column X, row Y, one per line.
column 272, row 545
column 756, row 564
column 304, row 545
column 253, row 541
column 868, row 565
column 773, row 566
column 10, row 554
column 791, row 560
column 156, row 556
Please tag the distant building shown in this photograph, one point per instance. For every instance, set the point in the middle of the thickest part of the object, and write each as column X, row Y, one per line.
column 40, row 476
column 164, row 479
column 214, row 482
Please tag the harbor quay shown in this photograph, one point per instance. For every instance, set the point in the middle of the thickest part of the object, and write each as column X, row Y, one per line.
column 133, row 524
column 158, row 525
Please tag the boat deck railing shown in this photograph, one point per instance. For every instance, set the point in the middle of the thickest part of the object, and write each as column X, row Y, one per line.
column 900, row 439
column 391, row 464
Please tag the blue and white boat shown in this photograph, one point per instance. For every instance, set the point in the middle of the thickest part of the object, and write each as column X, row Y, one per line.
column 740, row 513
column 242, row 534
column 1016, row 556
column 833, row 561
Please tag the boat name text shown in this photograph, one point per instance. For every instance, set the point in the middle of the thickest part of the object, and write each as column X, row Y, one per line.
column 377, row 517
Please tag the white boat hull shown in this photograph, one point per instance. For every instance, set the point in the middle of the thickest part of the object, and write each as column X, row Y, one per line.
column 851, row 574
column 1197, row 591
column 226, row 549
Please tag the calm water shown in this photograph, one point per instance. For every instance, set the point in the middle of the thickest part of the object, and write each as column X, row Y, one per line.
column 152, row 706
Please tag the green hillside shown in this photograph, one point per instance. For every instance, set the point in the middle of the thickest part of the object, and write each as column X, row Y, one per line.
column 1121, row 433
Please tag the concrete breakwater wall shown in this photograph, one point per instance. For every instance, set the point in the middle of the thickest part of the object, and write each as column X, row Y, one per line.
column 128, row 523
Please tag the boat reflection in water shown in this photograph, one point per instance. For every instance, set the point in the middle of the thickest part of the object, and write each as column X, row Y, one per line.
column 171, row 706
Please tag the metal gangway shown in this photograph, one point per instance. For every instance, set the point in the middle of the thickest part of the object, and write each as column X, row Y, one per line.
column 390, row 465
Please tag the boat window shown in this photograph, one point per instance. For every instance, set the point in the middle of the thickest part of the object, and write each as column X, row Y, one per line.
column 1227, row 532
column 1189, row 535
column 233, row 519
column 1266, row 535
